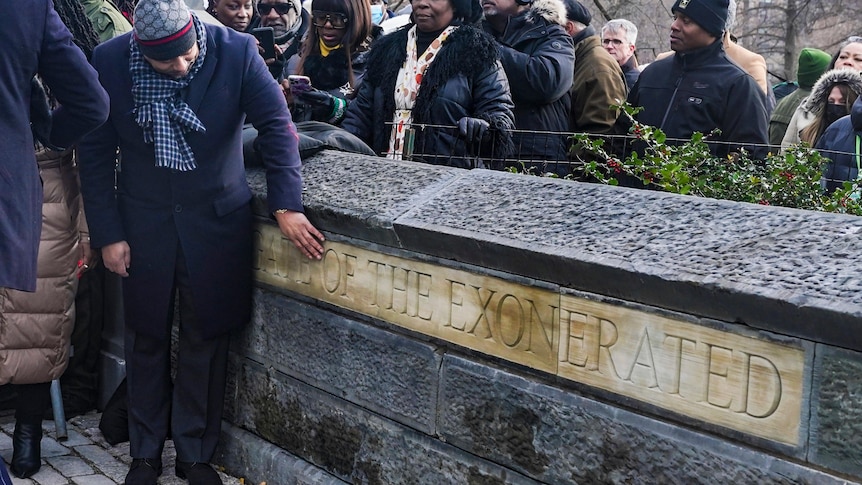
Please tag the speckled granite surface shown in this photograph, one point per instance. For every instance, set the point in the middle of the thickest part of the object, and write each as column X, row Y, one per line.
column 788, row 271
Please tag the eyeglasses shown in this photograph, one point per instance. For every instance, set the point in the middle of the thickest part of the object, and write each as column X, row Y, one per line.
column 335, row 19
column 616, row 42
column 280, row 8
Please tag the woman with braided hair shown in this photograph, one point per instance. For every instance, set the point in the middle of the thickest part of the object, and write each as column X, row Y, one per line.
column 38, row 325
column 72, row 14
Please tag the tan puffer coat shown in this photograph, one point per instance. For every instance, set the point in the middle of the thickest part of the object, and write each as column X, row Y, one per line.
column 35, row 327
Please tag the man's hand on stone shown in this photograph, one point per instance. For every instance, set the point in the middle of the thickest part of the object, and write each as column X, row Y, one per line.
column 296, row 227
column 117, row 257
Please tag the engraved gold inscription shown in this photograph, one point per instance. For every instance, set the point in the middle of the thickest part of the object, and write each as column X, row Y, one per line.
column 744, row 383
column 740, row 382
column 515, row 322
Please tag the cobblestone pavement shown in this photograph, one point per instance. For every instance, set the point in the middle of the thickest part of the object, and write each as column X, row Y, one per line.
column 85, row 458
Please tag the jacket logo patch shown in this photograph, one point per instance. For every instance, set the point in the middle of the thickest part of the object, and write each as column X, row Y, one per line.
column 694, row 100
column 699, row 85
column 557, row 45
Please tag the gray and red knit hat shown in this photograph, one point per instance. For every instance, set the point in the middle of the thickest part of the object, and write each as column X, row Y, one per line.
column 163, row 28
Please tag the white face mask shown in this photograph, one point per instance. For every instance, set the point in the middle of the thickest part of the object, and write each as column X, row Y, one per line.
column 377, row 12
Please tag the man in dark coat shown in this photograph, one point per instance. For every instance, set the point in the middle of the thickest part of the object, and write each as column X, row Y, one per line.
column 539, row 59
column 598, row 80
column 180, row 218
column 699, row 89
column 35, row 41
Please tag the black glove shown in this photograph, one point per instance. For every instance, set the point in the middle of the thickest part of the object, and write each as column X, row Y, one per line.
column 472, row 129
column 324, row 106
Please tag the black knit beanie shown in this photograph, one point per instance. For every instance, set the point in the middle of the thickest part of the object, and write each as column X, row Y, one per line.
column 711, row 15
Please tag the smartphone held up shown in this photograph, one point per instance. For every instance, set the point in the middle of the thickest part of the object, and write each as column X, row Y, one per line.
column 298, row 84
column 266, row 41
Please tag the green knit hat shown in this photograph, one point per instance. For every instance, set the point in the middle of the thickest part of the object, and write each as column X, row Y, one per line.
column 812, row 64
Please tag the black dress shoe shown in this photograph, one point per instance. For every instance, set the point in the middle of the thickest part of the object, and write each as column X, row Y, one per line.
column 144, row 471
column 198, row 473
column 26, row 449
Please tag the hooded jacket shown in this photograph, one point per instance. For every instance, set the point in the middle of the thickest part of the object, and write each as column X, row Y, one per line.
column 465, row 79
column 699, row 91
column 538, row 56
column 814, row 103
column 841, row 144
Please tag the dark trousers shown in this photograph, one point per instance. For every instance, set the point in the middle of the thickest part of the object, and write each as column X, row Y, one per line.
column 192, row 407
column 80, row 382
column 31, row 401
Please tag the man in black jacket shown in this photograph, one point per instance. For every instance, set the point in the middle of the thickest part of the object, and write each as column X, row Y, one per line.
column 539, row 59
column 698, row 89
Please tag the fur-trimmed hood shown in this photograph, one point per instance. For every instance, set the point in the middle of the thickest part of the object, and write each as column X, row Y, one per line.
column 553, row 11
column 820, row 92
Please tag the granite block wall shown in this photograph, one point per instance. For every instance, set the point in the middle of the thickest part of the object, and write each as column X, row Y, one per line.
column 343, row 396
column 308, row 413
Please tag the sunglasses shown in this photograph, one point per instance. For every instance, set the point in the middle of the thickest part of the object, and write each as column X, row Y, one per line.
column 336, row 20
column 280, row 8
column 854, row 38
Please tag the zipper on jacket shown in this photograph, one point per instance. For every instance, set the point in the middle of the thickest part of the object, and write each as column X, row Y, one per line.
column 672, row 98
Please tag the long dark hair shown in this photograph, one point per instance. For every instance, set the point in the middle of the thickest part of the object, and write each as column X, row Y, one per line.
column 83, row 34
column 818, row 125
column 357, row 38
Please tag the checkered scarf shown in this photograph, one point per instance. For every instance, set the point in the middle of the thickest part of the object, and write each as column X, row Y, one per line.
column 160, row 110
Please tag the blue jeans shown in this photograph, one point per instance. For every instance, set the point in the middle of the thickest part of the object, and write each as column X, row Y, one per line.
column 4, row 475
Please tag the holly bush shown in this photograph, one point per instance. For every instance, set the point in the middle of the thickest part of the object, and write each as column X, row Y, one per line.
column 789, row 179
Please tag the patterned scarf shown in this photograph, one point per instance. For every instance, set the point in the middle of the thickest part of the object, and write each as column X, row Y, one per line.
column 407, row 87
column 160, row 110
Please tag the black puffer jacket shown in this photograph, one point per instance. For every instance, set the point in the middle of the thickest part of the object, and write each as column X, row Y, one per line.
column 839, row 144
column 465, row 79
column 539, row 58
column 699, row 91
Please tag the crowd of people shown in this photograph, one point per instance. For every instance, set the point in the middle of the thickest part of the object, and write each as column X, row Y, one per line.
column 560, row 74
column 124, row 125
